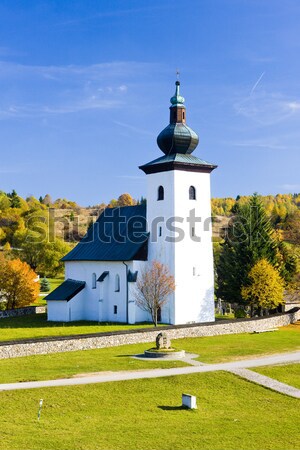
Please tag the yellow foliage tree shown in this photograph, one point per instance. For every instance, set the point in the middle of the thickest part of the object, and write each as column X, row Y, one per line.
column 266, row 287
column 18, row 283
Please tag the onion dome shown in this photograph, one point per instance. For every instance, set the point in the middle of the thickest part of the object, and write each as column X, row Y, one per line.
column 177, row 137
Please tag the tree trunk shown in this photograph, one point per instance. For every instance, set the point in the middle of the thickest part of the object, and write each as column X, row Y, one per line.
column 155, row 318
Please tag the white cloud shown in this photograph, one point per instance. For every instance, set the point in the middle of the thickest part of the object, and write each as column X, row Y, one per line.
column 133, row 128
column 266, row 108
column 65, row 89
column 262, row 144
column 293, row 106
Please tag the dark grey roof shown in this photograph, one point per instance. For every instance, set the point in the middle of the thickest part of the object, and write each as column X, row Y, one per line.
column 66, row 291
column 103, row 276
column 119, row 234
column 177, row 138
column 132, row 276
column 178, row 161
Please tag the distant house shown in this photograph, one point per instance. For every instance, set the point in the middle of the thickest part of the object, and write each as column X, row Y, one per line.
column 173, row 228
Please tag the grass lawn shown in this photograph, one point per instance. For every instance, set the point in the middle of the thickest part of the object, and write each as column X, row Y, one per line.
column 36, row 325
column 211, row 349
column 65, row 365
column 288, row 373
column 239, row 346
column 232, row 414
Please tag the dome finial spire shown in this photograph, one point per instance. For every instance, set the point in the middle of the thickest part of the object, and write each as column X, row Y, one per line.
column 177, row 99
column 177, row 137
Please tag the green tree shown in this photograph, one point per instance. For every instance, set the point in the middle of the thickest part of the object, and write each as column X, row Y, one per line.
column 14, row 199
column 249, row 238
column 45, row 285
column 50, row 263
column 265, row 287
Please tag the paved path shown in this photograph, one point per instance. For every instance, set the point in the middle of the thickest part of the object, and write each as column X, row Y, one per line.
column 267, row 382
column 283, row 358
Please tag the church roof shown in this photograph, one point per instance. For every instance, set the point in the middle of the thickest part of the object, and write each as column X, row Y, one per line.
column 67, row 290
column 119, row 234
column 178, row 161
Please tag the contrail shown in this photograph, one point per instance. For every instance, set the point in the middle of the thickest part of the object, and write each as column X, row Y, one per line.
column 256, row 84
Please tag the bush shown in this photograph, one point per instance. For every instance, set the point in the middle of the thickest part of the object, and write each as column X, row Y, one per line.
column 240, row 313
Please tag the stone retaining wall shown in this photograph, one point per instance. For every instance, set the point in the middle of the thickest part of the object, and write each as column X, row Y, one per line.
column 22, row 311
column 66, row 344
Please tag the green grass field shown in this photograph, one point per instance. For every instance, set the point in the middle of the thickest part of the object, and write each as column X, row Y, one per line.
column 288, row 373
column 211, row 349
column 232, row 414
column 65, row 365
column 239, row 346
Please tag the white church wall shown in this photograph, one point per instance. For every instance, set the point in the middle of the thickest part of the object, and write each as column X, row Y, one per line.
column 158, row 213
column 191, row 262
column 57, row 311
column 104, row 303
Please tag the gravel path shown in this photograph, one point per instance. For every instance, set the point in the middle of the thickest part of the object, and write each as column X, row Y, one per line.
column 267, row 382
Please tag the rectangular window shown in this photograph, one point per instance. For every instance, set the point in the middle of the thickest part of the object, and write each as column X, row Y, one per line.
column 115, row 309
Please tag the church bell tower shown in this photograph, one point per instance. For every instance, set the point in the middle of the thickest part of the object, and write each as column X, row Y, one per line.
column 179, row 219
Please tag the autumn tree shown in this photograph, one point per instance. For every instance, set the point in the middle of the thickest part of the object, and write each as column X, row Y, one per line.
column 291, row 228
column 18, row 283
column 125, row 200
column 153, row 287
column 265, row 288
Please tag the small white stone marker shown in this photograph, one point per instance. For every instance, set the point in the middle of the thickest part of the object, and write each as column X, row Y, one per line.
column 189, row 401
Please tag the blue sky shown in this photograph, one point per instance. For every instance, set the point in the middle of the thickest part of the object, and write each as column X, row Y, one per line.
column 85, row 88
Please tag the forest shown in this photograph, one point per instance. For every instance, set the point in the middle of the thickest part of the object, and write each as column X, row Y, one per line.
column 39, row 232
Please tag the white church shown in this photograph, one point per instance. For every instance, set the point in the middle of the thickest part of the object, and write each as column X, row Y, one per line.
column 174, row 228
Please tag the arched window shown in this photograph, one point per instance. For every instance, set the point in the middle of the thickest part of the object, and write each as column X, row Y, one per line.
column 160, row 193
column 94, row 280
column 117, row 283
column 192, row 193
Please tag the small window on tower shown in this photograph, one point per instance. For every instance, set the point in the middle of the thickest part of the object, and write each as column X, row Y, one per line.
column 94, row 280
column 117, row 283
column 115, row 309
column 192, row 193
column 160, row 193
column 183, row 115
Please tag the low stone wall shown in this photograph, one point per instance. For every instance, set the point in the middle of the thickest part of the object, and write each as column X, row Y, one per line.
column 101, row 340
column 22, row 311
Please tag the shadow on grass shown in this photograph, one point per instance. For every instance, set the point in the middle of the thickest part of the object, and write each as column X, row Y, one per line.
column 174, row 408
